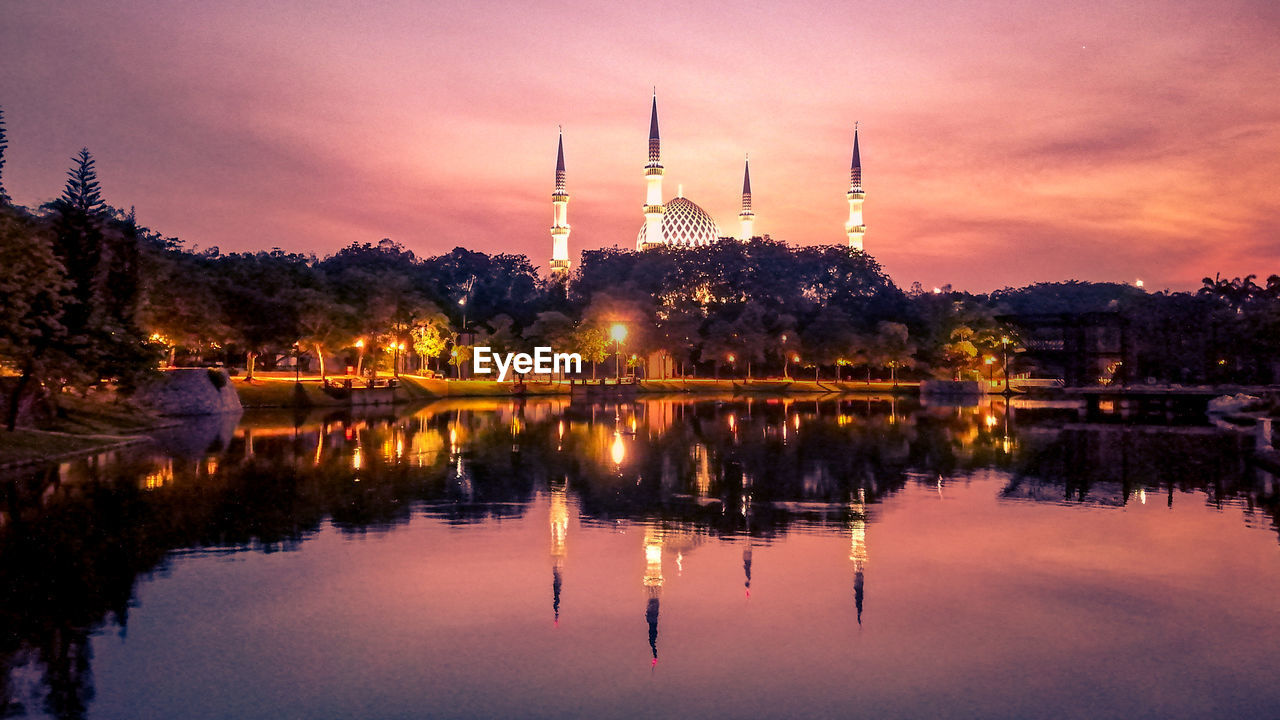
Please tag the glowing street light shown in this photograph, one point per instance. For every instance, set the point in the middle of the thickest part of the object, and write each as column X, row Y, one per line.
column 990, row 361
column 360, row 361
column 618, row 333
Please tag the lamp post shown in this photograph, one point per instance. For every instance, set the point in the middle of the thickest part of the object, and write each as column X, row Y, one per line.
column 733, row 368
column 394, row 349
column 786, row 359
column 618, row 333
column 990, row 361
column 297, row 366
column 360, row 359
column 1004, row 361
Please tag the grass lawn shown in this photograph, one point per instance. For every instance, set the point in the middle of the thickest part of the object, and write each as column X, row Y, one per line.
column 84, row 425
column 23, row 446
column 94, row 417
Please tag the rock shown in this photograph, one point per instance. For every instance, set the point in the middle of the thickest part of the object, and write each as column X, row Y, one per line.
column 189, row 391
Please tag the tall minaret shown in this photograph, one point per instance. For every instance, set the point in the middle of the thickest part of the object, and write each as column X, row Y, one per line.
column 747, row 217
column 854, row 228
column 560, row 218
column 653, row 209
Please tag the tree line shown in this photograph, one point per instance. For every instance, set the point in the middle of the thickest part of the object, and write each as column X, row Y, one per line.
column 91, row 295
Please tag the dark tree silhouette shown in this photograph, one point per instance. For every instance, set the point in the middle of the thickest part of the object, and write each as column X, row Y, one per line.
column 4, row 145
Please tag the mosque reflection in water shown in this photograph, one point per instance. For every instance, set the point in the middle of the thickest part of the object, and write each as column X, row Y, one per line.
column 76, row 538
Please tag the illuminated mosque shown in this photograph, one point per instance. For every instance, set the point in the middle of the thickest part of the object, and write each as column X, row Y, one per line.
column 680, row 222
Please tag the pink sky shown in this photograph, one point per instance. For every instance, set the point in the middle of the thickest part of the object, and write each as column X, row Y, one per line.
column 1003, row 143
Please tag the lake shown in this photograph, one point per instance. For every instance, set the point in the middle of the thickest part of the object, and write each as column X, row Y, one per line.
column 669, row 557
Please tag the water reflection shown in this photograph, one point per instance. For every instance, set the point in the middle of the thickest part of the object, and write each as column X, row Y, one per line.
column 76, row 538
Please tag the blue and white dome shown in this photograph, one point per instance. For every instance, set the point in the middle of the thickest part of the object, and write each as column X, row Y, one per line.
column 684, row 224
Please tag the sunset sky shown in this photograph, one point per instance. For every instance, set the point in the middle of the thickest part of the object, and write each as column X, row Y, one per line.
column 1003, row 142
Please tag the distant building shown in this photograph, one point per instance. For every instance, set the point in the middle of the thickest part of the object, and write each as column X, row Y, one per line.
column 680, row 222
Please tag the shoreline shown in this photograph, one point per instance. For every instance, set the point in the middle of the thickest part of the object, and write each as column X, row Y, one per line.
column 267, row 391
column 28, row 440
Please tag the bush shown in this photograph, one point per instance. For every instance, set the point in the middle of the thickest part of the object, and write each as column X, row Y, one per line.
column 217, row 378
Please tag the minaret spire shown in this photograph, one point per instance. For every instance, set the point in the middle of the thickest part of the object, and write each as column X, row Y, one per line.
column 651, row 236
column 855, row 228
column 560, row 217
column 560, row 164
column 746, row 217
column 655, row 141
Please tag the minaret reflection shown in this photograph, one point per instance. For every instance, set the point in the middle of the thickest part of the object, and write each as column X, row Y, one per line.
column 559, row 515
column 858, row 547
column 653, row 584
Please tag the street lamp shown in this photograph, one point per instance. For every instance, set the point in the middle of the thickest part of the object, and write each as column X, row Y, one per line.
column 785, row 360
column 297, row 366
column 732, row 367
column 618, row 333
column 360, row 360
column 990, row 361
column 1004, row 361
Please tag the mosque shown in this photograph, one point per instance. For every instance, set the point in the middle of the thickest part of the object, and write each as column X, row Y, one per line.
column 680, row 222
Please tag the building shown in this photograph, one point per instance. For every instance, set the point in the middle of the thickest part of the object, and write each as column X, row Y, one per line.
column 560, row 217
column 854, row 228
column 681, row 222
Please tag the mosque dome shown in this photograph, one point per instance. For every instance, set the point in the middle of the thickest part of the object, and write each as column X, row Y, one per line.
column 684, row 224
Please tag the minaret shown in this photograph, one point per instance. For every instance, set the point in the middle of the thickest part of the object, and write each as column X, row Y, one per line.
column 747, row 217
column 854, row 228
column 560, row 218
column 653, row 209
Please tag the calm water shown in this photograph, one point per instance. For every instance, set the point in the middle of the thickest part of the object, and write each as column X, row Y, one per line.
column 666, row 558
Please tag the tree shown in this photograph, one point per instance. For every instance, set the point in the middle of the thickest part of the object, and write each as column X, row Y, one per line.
column 33, row 285
column 4, row 145
column 719, row 345
column 827, row 339
column 180, row 303
column 459, row 357
column 893, row 347
column 553, row 329
column 592, row 344
column 256, row 289
column 751, row 334
column 98, row 249
column 429, row 340
column 677, row 336
column 322, row 321
column 960, row 354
